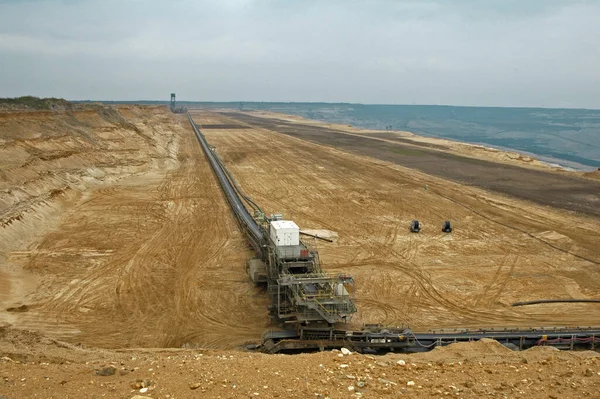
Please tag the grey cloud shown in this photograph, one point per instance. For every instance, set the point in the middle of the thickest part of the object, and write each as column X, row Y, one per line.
column 533, row 53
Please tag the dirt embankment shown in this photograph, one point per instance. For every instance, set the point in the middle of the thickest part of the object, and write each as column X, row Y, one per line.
column 35, row 104
column 33, row 366
column 113, row 233
column 593, row 175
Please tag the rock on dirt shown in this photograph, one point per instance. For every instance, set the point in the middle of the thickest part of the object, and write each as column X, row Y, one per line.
column 106, row 371
column 242, row 374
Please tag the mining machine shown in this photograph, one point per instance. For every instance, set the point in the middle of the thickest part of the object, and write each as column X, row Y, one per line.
column 313, row 306
column 303, row 297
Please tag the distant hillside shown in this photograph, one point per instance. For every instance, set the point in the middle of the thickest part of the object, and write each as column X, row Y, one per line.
column 35, row 103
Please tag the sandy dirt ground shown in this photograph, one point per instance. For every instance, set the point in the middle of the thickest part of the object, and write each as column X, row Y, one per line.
column 502, row 250
column 114, row 234
column 36, row 367
column 570, row 191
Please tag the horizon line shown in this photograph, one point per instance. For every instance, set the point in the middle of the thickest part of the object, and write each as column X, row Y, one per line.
column 337, row 103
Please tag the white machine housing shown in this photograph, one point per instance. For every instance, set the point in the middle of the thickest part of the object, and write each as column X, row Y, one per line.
column 284, row 233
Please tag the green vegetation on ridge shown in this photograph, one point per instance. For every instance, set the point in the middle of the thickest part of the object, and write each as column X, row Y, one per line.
column 31, row 102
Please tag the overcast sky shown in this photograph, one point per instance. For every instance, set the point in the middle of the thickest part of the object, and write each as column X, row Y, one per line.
column 457, row 52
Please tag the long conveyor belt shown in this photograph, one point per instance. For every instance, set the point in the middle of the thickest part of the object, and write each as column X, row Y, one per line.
column 383, row 340
column 255, row 233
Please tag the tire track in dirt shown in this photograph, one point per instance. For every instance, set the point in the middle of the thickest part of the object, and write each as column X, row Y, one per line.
column 175, row 273
column 433, row 278
column 494, row 289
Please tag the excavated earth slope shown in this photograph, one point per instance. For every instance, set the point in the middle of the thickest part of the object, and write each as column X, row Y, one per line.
column 114, row 234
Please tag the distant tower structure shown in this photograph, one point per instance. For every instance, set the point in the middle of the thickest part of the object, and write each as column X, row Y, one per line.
column 172, row 102
column 174, row 108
